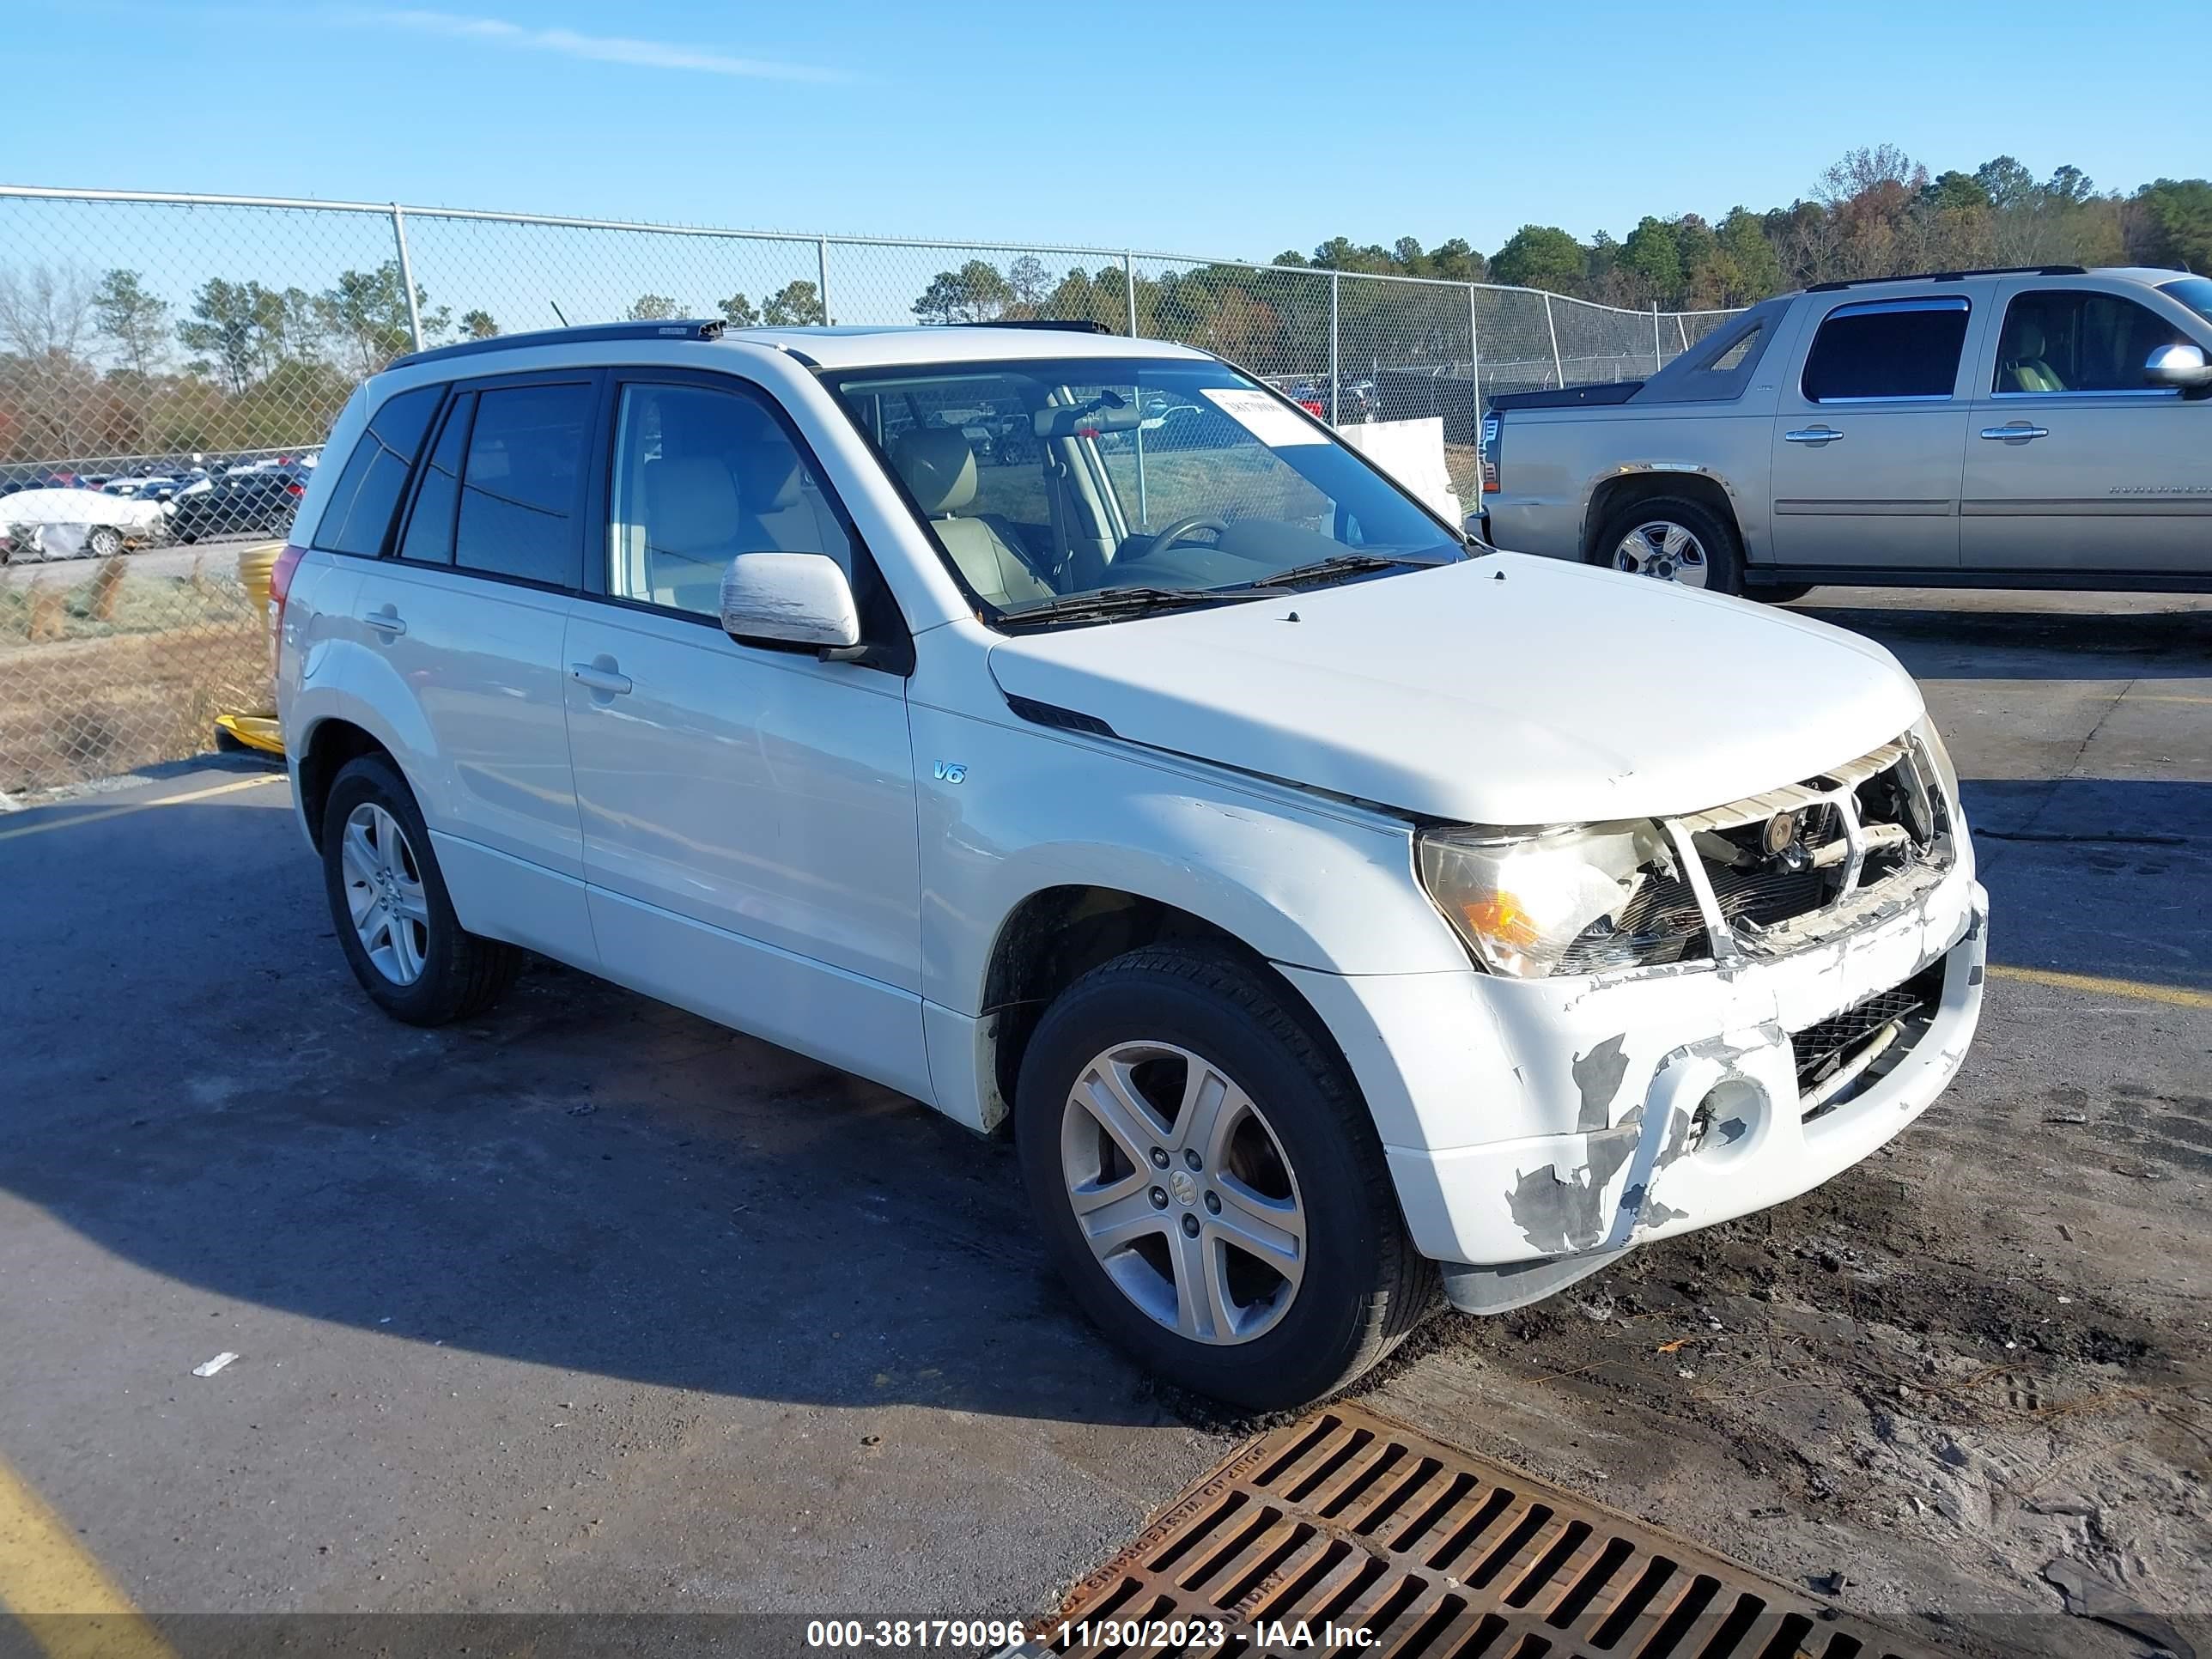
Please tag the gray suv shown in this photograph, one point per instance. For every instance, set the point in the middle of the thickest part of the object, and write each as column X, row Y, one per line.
column 2043, row 427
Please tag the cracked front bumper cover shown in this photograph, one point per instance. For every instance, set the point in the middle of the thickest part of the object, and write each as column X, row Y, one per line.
column 1717, row 1132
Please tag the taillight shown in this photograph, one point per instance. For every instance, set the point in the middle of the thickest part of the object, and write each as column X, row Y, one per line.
column 1313, row 407
column 1491, row 427
column 295, row 488
column 280, row 589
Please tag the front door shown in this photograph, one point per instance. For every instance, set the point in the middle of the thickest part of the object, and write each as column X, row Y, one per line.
column 2077, row 462
column 1868, row 437
column 748, row 813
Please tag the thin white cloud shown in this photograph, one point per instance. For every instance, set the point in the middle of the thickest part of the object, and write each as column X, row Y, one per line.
column 596, row 48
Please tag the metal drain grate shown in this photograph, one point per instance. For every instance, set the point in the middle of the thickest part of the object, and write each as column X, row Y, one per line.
column 1344, row 1519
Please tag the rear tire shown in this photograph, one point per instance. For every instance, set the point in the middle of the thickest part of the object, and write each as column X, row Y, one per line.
column 1708, row 544
column 1292, row 1158
column 390, row 908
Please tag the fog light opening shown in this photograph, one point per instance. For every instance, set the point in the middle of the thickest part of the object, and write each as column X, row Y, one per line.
column 1730, row 1120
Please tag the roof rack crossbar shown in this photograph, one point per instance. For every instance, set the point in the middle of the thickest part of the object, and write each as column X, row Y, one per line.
column 1950, row 277
column 689, row 328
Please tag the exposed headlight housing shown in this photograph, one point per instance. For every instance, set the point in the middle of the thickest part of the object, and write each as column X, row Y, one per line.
column 1572, row 900
column 1924, row 733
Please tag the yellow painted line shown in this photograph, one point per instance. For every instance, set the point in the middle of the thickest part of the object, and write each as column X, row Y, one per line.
column 128, row 807
column 2161, row 697
column 2174, row 996
column 69, row 1605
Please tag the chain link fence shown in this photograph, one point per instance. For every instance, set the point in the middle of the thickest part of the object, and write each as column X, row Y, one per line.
column 169, row 364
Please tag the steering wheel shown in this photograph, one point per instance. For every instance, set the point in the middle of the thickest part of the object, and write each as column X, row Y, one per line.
column 1181, row 529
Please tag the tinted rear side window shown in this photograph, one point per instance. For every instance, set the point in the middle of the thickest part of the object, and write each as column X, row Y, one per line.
column 429, row 537
column 368, row 491
column 1887, row 349
column 522, row 483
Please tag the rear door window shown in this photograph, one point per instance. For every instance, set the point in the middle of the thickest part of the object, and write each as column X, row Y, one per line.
column 522, row 482
column 368, row 491
column 1887, row 349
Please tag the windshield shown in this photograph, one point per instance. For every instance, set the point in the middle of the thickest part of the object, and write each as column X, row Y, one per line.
column 2194, row 291
column 1045, row 481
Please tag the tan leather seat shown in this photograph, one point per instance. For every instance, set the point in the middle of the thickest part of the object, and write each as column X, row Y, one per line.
column 939, row 467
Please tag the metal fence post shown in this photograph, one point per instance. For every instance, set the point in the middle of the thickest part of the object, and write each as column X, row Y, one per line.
column 407, row 276
column 1552, row 328
column 1473, row 370
column 822, row 276
column 1335, row 290
column 1654, row 336
column 1681, row 330
column 1129, row 287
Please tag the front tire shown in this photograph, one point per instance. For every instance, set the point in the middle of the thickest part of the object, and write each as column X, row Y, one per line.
column 105, row 542
column 390, row 908
column 1672, row 538
column 1210, row 1183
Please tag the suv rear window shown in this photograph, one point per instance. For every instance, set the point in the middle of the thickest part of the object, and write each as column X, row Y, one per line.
column 1887, row 349
column 359, row 516
column 522, row 483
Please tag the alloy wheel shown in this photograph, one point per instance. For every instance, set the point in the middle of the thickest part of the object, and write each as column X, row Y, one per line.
column 1663, row 551
column 384, row 893
column 1181, row 1189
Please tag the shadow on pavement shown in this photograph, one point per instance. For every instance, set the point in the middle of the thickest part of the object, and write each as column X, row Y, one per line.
column 2032, row 645
column 585, row 1179
column 2097, row 875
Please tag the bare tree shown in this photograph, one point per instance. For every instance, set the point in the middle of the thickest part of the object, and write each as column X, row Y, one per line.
column 46, row 311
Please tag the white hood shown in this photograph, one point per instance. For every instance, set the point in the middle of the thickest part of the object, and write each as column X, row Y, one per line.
column 1505, row 690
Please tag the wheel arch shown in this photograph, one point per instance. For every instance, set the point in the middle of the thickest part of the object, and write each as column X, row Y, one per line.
column 326, row 748
column 1633, row 484
column 1054, row 935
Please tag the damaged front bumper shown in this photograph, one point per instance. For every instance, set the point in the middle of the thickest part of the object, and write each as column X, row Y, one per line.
column 1661, row 1101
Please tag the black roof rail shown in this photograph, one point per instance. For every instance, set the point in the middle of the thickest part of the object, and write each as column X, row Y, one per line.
column 1952, row 275
column 693, row 328
column 1066, row 324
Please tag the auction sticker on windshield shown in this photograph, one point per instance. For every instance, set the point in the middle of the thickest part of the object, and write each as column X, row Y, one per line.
column 1263, row 417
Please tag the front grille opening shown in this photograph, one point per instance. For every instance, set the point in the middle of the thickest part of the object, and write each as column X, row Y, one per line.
column 1893, row 1018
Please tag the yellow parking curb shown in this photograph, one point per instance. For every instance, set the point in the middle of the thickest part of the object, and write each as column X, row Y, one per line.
column 128, row 807
column 2174, row 996
column 62, row 1596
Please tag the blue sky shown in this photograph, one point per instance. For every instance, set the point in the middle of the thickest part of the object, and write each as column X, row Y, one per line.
column 1237, row 129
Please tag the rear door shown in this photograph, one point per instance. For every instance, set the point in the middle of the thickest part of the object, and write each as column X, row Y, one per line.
column 1869, row 432
column 469, row 616
column 2076, row 462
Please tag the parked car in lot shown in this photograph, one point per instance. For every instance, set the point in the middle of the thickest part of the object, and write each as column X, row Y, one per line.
column 2050, row 427
column 68, row 523
column 260, row 501
column 1330, row 905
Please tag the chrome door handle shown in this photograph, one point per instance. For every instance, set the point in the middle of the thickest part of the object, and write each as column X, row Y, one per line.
column 596, row 678
column 385, row 621
column 2015, row 433
column 1811, row 435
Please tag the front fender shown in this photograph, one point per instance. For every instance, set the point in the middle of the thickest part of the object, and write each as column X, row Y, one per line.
column 1315, row 886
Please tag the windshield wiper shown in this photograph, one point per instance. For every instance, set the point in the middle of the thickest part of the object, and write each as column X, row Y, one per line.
column 1103, row 603
column 1339, row 564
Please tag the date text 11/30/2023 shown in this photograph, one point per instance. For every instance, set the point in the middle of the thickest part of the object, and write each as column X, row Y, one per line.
column 1000, row 1634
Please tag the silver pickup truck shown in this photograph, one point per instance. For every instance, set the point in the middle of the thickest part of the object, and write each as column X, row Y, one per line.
column 2045, row 427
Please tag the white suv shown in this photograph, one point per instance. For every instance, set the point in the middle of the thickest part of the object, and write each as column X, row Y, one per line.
column 1331, row 904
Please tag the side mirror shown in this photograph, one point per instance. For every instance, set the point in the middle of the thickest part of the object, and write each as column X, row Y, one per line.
column 2182, row 366
column 791, row 598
